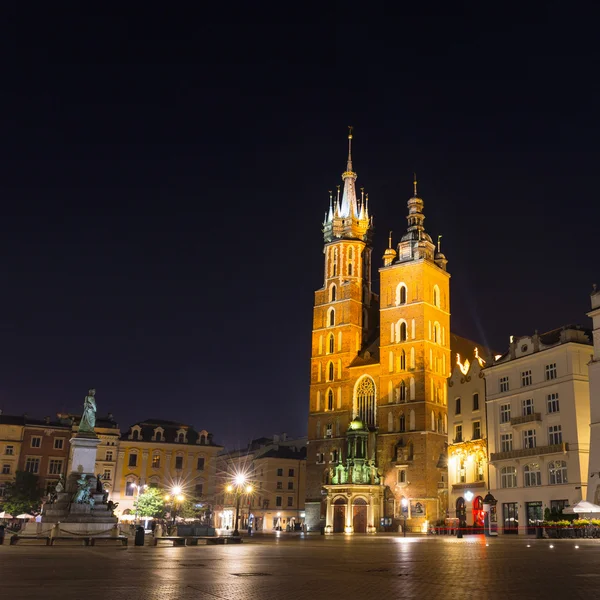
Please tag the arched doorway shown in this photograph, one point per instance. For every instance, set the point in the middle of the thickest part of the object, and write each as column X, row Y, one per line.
column 461, row 512
column 339, row 515
column 478, row 513
column 359, row 516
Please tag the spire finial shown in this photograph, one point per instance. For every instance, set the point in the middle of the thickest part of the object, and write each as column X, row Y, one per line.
column 439, row 243
column 390, row 240
column 415, row 185
column 349, row 165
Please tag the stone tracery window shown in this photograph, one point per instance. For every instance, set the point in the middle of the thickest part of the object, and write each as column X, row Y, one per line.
column 365, row 401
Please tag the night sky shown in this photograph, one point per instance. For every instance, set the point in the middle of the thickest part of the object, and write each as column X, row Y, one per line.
column 163, row 181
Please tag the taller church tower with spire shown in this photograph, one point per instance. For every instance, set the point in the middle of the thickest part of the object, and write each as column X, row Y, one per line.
column 377, row 418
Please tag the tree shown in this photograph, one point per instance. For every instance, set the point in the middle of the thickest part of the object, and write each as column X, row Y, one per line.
column 23, row 495
column 151, row 503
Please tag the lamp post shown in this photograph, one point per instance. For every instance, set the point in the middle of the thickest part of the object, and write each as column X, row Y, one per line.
column 137, row 498
column 404, row 507
column 177, row 498
column 238, row 486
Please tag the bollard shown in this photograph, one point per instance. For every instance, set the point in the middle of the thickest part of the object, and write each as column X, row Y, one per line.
column 459, row 533
column 139, row 535
column 539, row 533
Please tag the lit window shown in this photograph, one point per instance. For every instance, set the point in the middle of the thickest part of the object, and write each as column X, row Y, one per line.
column 129, row 488
column 329, row 430
column 557, row 472
column 156, row 461
column 532, row 475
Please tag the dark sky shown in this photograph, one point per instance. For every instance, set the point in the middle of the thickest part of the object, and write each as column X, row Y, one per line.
column 164, row 177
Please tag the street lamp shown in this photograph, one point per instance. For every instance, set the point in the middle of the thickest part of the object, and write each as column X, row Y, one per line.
column 177, row 498
column 240, row 487
column 404, row 507
column 137, row 498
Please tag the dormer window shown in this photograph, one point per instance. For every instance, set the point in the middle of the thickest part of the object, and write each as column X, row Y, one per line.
column 180, row 437
column 159, row 434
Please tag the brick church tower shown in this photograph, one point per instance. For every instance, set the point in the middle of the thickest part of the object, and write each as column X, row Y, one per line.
column 377, row 418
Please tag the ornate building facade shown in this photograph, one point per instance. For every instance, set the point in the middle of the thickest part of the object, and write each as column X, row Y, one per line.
column 377, row 418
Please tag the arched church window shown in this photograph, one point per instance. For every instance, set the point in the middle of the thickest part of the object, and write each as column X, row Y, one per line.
column 365, row 401
column 331, row 319
column 330, row 372
column 436, row 296
column 402, row 391
column 330, row 400
column 402, row 422
column 350, row 269
column 333, row 293
column 331, row 343
column 401, row 293
column 403, row 361
column 403, row 334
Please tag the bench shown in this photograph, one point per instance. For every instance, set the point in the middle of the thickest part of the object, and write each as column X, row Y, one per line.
column 177, row 540
column 119, row 538
column 16, row 538
column 192, row 540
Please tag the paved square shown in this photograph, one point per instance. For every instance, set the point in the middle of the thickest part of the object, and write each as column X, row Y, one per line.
column 316, row 567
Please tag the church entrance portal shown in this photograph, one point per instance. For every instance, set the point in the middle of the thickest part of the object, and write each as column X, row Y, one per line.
column 359, row 520
column 339, row 516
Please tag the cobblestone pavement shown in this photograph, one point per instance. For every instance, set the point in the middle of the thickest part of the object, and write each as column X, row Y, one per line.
column 315, row 567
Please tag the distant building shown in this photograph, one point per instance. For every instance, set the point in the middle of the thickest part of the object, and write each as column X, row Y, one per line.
column 467, row 433
column 165, row 454
column 538, row 415
column 593, row 490
column 276, row 469
column 11, row 436
column 45, row 449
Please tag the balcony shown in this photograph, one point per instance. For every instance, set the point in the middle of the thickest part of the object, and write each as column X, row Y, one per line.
column 525, row 452
column 463, row 486
column 526, row 419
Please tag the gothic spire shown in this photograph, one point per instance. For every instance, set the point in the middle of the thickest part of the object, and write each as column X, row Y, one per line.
column 349, row 206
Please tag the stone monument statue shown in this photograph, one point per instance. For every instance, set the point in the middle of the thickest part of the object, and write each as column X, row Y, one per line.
column 88, row 418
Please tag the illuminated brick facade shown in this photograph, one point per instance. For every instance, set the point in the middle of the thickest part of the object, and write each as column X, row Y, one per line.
column 380, row 362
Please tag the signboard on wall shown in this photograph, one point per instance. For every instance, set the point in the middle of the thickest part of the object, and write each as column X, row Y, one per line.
column 417, row 509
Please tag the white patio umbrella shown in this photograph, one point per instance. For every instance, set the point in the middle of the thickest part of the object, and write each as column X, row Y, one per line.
column 25, row 516
column 5, row 515
column 582, row 508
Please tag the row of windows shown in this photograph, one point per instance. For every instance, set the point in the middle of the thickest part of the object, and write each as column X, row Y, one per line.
column 397, row 362
column 458, row 404
column 32, row 465
column 290, row 485
column 461, row 470
column 36, row 442
column 401, row 295
column 528, row 408
column 550, row 373
column 529, row 438
column 532, row 475
column 133, row 462
column 475, row 433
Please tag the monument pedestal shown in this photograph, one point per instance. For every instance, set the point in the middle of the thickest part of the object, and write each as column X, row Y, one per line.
column 69, row 514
